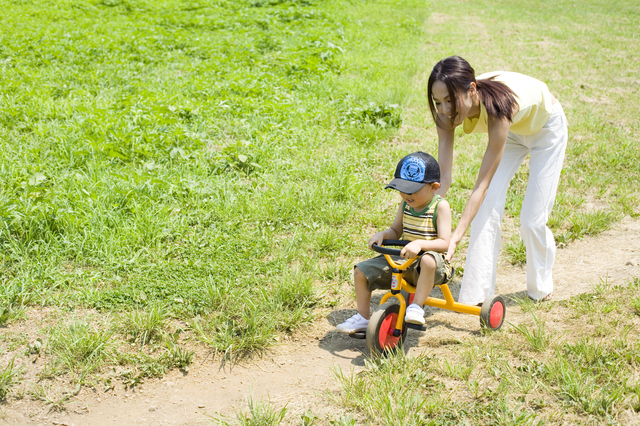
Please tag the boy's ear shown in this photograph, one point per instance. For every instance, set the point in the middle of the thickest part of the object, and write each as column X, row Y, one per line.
column 435, row 185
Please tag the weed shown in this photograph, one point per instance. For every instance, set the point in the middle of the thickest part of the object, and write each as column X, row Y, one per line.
column 6, row 315
column 457, row 369
column 343, row 421
column 602, row 287
column 247, row 333
column 78, row 344
column 46, row 394
column 35, row 347
column 308, row 418
column 258, row 413
column 591, row 223
column 374, row 115
column 139, row 365
column 8, row 377
column 538, row 337
column 394, row 388
column 516, row 251
column 179, row 357
column 143, row 327
column 635, row 304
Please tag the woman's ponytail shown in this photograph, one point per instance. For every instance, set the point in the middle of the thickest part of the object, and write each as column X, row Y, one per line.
column 498, row 99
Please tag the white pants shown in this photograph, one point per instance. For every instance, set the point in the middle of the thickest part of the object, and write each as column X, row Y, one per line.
column 547, row 154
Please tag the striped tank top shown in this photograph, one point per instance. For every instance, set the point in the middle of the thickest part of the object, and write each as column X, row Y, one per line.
column 421, row 225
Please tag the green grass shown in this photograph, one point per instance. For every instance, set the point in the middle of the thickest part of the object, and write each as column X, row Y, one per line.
column 78, row 345
column 516, row 251
column 9, row 376
column 179, row 163
column 258, row 413
column 225, row 161
column 195, row 147
column 143, row 327
column 524, row 374
column 565, row 365
column 537, row 336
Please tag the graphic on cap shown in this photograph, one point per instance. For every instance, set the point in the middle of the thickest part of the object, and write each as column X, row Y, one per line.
column 413, row 169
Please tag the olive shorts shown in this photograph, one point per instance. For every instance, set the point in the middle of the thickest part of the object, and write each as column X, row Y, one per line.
column 378, row 271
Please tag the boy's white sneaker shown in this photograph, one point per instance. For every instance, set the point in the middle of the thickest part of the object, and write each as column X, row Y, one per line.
column 414, row 315
column 354, row 324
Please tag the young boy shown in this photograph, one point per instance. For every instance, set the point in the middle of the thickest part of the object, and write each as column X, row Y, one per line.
column 423, row 218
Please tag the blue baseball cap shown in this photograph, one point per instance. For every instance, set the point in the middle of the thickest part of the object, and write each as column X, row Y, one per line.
column 415, row 171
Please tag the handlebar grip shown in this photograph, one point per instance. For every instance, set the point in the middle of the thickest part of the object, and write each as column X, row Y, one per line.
column 390, row 251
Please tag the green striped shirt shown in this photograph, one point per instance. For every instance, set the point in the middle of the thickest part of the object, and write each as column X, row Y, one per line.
column 421, row 225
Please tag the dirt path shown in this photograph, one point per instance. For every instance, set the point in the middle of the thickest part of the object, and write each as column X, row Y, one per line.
column 299, row 371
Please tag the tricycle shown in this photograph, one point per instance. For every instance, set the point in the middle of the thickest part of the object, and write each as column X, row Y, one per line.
column 387, row 327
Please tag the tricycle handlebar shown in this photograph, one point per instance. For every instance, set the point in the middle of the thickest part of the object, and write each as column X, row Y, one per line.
column 393, row 252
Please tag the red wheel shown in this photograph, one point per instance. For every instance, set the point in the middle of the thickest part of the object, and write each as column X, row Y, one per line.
column 380, row 332
column 493, row 312
column 408, row 297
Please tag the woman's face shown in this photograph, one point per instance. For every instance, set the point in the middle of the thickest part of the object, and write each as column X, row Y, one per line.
column 465, row 105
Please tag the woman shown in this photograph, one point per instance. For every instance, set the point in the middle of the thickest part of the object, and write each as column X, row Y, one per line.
column 521, row 117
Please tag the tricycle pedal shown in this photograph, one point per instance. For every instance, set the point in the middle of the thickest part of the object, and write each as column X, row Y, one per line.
column 359, row 335
column 417, row 326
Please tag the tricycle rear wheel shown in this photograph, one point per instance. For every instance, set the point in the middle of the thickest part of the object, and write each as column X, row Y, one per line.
column 493, row 312
column 380, row 338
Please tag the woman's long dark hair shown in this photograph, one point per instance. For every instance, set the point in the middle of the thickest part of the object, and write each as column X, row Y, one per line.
column 457, row 75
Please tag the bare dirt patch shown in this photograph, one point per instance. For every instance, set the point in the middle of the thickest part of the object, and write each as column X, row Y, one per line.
column 299, row 371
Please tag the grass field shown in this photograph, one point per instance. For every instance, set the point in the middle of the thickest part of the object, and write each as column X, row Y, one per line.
column 572, row 362
column 178, row 174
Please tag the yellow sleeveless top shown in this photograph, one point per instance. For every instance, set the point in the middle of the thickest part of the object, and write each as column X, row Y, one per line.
column 534, row 102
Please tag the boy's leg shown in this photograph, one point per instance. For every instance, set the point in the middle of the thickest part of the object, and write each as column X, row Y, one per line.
column 424, row 285
column 479, row 279
column 426, row 279
column 547, row 155
column 367, row 276
column 363, row 295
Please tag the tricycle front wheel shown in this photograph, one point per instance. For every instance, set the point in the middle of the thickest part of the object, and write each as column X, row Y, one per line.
column 381, row 338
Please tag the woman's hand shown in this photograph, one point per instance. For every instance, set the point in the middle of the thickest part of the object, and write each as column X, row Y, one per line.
column 452, row 249
column 453, row 244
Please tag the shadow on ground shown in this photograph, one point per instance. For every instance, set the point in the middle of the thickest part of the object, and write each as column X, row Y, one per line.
column 345, row 347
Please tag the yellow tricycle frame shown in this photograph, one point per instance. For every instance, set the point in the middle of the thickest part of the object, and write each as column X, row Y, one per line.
column 398, row 284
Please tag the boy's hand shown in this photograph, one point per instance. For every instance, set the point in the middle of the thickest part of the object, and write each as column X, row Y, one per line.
column 376, row 239
column 412, row 249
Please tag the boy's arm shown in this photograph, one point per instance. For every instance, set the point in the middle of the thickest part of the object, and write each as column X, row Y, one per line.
column 392, row 233
column 440, row 244
column 444, row 225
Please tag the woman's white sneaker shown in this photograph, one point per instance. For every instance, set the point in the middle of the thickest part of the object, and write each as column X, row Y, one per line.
column 354, row 324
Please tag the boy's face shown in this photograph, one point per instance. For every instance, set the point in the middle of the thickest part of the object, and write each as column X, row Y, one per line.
column 420, row 199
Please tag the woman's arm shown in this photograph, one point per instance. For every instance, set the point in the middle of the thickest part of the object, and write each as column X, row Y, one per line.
column 445, row 156
column 498, row 132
